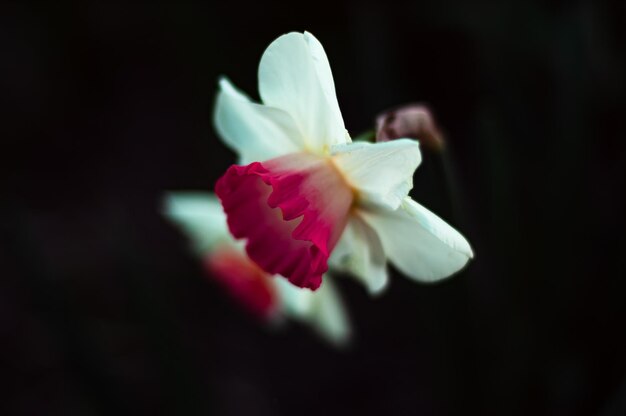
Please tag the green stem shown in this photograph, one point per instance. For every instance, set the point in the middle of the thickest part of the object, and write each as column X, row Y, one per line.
column 366, row 136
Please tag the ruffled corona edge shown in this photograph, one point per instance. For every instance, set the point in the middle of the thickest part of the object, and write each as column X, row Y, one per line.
column 290, row 210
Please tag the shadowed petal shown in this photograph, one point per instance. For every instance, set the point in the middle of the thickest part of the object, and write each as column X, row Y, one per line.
column 323, row 309
column 360, row 252
column 201, row 216
column 419, row 243
column 254, row 131
column 382, row 173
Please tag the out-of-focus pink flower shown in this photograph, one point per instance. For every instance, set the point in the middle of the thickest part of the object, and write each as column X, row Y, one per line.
column 268, row 297
column 412, row 121
column 243, row 280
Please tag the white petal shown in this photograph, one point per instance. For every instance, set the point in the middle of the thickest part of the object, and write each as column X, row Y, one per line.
column 325, row 77
column 419, row 243
column 200, row 216
column 322, row 309
column 294, row 76
column 296, row 301
column 381, row 172
column 360, row 253
column 254, row 131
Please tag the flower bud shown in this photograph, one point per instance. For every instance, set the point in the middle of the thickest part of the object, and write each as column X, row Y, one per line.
column 412, row 121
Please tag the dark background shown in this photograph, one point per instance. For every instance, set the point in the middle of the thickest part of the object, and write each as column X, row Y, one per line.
column 103, row 310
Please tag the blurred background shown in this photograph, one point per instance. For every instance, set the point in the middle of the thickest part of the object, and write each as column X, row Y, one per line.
column 103, row 310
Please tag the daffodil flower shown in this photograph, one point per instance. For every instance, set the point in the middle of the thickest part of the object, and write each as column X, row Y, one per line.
column 268, row 297
column 304, row 189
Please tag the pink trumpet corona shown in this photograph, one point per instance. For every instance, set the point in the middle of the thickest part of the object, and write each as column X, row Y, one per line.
column 291, row 210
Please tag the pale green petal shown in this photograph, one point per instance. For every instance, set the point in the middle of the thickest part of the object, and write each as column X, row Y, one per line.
column 419, row 243
column 254, row 131
column 200, row 216
column 360, row 253
column 296, row 301
column 323, row 309
column 382, row 173
column 294, row 76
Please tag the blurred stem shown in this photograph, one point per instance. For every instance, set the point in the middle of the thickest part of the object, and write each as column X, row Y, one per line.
column 366, row 136
column 452, row 189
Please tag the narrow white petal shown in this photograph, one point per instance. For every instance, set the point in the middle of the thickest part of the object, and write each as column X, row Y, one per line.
column 200, row 216
column 254, row 131
column 294, row 76
column 381, row 172
column 419, row 243
column 360, row 253
column 322, row 309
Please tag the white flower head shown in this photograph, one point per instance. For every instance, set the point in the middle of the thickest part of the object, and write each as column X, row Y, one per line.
column 304, row 190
